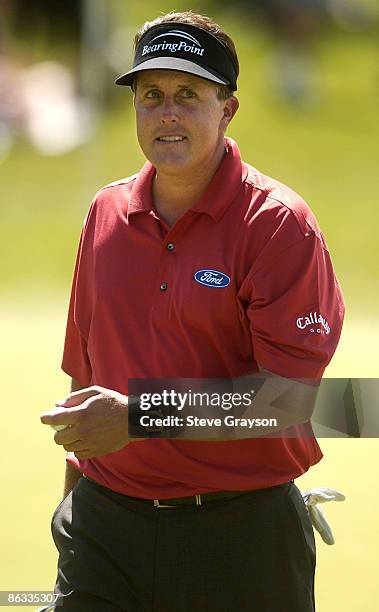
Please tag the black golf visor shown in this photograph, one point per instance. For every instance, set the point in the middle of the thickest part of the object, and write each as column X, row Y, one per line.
column 183, row 47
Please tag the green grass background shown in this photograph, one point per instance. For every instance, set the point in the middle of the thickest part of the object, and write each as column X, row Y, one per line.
column 328, row 152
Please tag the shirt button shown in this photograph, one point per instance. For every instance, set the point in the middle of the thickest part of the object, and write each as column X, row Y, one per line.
column 163, row 286
column 170, row 246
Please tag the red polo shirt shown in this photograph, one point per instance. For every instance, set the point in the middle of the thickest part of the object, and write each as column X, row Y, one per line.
column 138, row 310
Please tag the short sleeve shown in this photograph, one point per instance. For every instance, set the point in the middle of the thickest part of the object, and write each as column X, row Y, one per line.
column 296, row 306
column 76, row 362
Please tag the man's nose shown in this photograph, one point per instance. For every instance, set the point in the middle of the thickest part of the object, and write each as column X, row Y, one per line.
column 169, row 110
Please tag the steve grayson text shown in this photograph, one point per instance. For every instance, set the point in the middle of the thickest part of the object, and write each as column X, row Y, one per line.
column 194, row 421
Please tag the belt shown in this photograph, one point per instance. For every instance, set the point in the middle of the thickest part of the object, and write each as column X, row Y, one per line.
column 195, row 500
column 191, row 500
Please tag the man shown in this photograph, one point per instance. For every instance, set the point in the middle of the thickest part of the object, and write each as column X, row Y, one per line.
column 198, row 267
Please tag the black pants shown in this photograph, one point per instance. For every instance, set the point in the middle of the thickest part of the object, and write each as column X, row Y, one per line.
column 255, row 552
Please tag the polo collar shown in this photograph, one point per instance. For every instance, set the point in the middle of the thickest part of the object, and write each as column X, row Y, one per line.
column 141, row 199
column 225, row 184
column 221, row 191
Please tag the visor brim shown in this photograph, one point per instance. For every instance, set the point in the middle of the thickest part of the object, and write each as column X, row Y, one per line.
column 171, row 63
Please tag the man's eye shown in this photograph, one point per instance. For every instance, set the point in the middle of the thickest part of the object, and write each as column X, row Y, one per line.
column 188, row 93
column 153, row 93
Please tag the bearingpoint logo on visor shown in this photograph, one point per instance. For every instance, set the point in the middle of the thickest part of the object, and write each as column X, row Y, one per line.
column 189, row 45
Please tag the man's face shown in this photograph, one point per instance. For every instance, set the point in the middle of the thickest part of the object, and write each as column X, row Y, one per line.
column 180, row 120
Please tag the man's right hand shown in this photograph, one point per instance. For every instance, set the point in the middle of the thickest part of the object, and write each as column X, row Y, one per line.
column 97, row 420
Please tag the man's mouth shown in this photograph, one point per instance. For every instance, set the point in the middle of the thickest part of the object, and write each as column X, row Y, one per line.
column 170, row 138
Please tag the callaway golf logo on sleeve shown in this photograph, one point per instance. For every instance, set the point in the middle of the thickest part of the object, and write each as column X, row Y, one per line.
column 314, row 319
column 189, row 45
column 212, row 278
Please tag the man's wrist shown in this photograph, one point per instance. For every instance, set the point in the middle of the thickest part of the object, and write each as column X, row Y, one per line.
column 133, row 400
column 148, row 423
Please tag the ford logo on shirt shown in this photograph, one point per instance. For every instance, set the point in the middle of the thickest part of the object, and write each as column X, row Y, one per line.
column 212, row 278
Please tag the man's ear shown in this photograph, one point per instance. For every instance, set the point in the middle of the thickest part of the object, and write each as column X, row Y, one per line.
column 231, row 106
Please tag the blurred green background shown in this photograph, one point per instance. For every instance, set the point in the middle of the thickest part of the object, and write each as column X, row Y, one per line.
column 324, row 143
